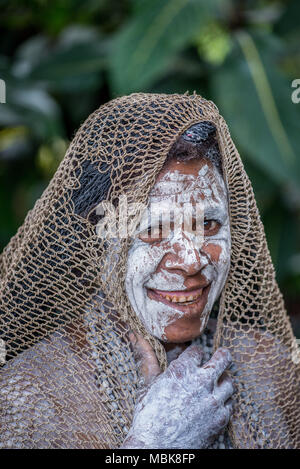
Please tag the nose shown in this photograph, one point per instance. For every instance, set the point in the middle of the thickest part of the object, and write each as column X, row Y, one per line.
column 186, row 256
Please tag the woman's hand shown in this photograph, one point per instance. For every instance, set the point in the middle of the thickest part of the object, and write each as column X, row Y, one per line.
column 186, row 406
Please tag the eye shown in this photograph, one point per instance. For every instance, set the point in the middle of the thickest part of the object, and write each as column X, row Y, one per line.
column 153, row 234
column 211, row 227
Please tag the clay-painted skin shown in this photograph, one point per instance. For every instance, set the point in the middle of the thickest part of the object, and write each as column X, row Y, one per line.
column 175, row 276
column 186, row 406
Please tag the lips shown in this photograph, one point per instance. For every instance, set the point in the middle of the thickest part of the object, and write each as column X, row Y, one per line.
column 188, row 301
column 180, row 296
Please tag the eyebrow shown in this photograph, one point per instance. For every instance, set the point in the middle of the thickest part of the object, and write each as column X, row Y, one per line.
column 151, row 217
column 218, row 213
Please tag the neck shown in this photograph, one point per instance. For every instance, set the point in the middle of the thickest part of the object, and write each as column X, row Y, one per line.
column 173, row 349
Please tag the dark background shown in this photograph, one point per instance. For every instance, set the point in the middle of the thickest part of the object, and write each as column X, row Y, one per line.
column 62, row 59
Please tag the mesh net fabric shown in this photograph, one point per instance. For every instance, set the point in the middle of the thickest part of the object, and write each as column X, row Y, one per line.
column 70, row 380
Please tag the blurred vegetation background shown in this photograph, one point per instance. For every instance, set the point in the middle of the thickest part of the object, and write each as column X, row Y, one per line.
column 61, row 59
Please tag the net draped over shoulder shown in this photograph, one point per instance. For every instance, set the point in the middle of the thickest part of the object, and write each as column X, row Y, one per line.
column 69, row 379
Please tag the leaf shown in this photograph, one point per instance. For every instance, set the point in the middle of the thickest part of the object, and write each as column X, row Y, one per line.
column 49, row 156
column 14, row 143
column 288, row 23
column 144, row 49
column 255, row 99
column 265, row 189
column 73, row 68
column 186, row 73
column 33, row 108
column 77, row 60
column 213, row 43
column 281, row 233
column 74, row 63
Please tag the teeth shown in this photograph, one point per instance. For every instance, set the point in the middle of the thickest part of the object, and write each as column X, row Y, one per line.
column 182, row 299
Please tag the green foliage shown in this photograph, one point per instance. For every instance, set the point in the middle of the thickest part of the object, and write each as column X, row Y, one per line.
column 251, row 90
column 149, row 42
column 213, row 43
column 61, row 60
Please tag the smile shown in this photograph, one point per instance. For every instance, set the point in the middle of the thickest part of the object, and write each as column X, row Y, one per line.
column 180, row 296
column 182, row 300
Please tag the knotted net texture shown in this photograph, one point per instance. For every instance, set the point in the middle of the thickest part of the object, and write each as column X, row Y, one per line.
column 69, row 379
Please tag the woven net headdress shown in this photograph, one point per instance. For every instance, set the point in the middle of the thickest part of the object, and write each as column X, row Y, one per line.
column 69, row 378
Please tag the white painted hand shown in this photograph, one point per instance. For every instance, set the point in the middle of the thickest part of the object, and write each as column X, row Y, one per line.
column 186, row 406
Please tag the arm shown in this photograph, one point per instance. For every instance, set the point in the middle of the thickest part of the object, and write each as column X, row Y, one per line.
column 43, row 390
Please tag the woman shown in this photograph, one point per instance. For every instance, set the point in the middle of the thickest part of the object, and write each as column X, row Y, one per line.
column 69, row 295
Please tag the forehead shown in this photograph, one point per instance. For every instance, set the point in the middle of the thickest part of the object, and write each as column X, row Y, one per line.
column 193, row 180
column 189, row 167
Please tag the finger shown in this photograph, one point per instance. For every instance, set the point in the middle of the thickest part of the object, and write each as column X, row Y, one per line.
column 229, row 408
column 224, row 388
column 193, row 353
column 188, row 362
column 218, row 363
column 229, row 405
column 145, row 357
column 225, row 414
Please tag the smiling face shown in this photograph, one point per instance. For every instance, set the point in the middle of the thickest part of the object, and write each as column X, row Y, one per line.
column 178, row 263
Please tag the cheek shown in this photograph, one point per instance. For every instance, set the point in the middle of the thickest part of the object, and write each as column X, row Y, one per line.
column 213, row 251
column 218, row 253
column 142, row 261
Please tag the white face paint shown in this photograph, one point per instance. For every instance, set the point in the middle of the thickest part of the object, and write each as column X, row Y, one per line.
column 181, row 273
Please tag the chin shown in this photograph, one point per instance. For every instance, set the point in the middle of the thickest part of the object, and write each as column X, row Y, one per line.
column 184, row 330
